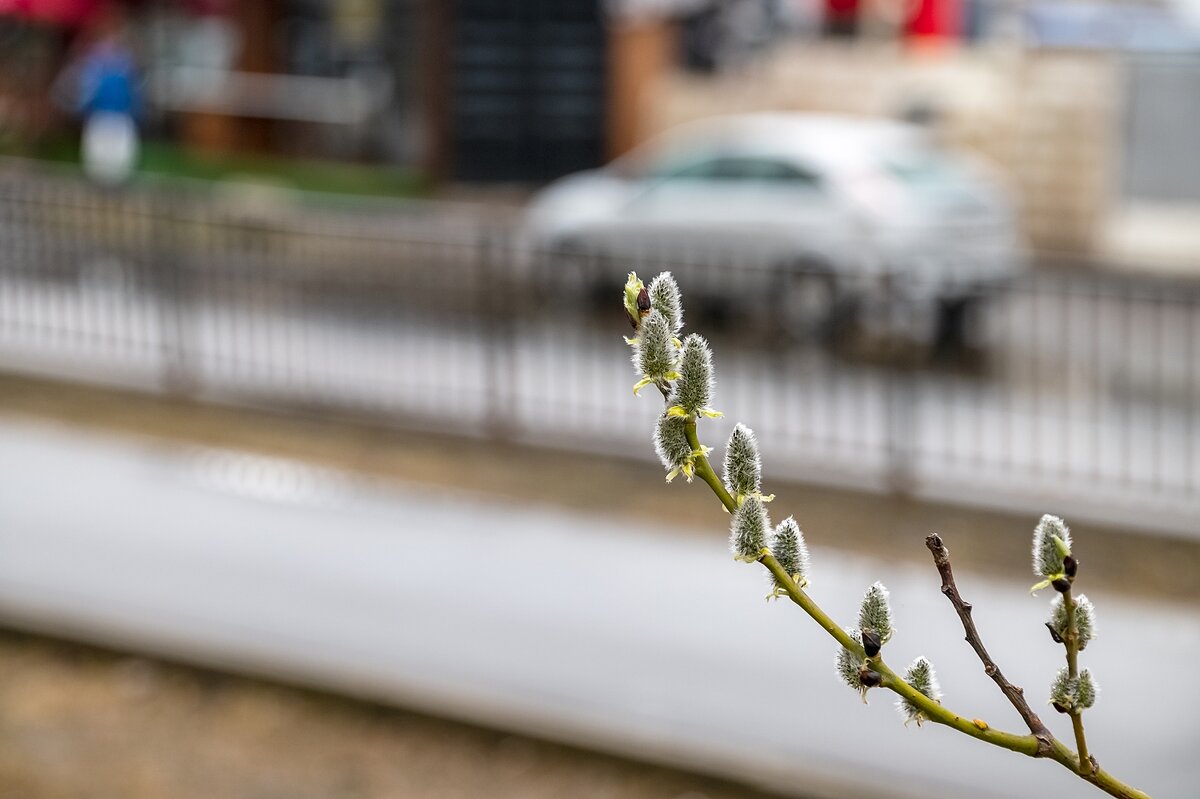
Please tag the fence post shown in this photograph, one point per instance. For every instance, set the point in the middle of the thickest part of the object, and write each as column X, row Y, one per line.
column 497, row 308
column 900, row 406
column 169, row 280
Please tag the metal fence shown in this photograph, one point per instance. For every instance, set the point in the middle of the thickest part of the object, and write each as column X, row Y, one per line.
column 1069, row 392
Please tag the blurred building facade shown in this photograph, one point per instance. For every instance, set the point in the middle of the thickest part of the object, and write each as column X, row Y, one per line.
column 1089, row 108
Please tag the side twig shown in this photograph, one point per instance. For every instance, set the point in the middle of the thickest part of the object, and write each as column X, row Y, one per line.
column 1014, row 693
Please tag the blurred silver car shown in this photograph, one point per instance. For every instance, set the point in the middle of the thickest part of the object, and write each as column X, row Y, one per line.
column 808, row 216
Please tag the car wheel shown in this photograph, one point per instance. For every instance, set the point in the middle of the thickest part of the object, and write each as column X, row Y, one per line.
column 957, row 322
column 807, row 306
column 569, row 275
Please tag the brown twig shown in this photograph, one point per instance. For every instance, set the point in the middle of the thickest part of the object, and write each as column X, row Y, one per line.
column 1014, row 693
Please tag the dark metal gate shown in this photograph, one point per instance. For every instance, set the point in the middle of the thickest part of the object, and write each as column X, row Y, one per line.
column 527, row 88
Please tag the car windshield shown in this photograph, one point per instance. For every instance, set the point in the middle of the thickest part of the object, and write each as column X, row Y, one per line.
column 932, row 176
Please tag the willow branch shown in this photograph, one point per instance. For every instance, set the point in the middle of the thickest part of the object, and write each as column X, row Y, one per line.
column 1036, row 744
column 1014, row 693
column 1025, row 744
column 688, row 397
column 934, row 711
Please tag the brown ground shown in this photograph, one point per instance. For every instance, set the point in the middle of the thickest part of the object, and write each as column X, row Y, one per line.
column 83, row 723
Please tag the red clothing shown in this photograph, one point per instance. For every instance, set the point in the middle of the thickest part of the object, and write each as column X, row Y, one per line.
column 70, row 13
column 936, row 18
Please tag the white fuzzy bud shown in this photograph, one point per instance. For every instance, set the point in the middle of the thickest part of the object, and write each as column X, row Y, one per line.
column 655, row 355
column 748, row 530
column 1051, row 543
column 693, row 392
column 1086, row 690
column 1085, row 619
column 670, row 442
column 743, row 468
column 1060, row 690
column 849, row 665
column 921, row 676
column 1073, row 694
column 875, row 615
column 788, row 547
column 665, row 298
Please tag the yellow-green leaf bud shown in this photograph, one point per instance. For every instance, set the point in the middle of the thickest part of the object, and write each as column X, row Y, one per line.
column 637, row 300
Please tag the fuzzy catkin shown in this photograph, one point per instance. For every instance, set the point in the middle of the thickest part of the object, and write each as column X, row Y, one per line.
column 1085, row 619
column 848, row 664
column 1073, row 694
column 655, row 354
column 693, row 391
column 670, row 442
column 1060, row 688
column 875, row 614
column 789, row 548
column 748, row 530
column 1047, row 553
column 921, row 676
column 743, row 467
column 665, row 298
column 1086, row 690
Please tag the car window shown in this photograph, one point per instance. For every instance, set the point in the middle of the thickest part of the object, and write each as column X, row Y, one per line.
column 920, row 170
column 703, row 169
column 929, row 174
column 742, row 168
column 766, row 169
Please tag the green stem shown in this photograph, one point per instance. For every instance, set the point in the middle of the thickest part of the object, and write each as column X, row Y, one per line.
column 1062, row 754
column 1071, row 639
column 704, row 470
column 934, row 711
column 797, row 595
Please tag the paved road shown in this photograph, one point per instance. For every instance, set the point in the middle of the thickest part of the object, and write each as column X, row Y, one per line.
column 599, row 631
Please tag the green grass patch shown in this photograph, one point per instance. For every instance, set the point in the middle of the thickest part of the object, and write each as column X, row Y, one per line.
column 164, row 159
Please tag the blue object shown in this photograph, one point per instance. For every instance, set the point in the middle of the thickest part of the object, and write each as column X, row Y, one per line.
column 108, row 82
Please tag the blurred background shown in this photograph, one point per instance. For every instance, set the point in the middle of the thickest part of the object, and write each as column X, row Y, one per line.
column 321, row 471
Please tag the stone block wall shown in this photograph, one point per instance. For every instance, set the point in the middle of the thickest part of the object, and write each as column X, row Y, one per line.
column 1048, row 119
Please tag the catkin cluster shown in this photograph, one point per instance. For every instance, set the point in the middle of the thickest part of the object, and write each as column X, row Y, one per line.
column 683, row 373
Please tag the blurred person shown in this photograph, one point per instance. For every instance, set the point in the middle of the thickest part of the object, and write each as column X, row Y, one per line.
column 106, row 93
